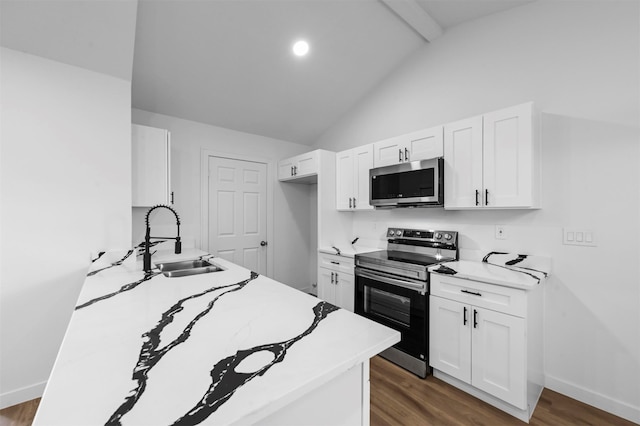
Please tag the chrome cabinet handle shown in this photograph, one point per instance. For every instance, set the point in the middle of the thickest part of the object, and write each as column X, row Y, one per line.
column 486, row 197
column 332, row 277
column 464, row 316
column 471, row 292
column 336, row 278
column 291, row 170
column 406, row 154
column 477, row 195
column 354, row 202
column 475, row 319
column 349, row 202
column 400, row 156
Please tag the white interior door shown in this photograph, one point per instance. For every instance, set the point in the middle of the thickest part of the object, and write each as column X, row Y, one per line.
column 238, row 212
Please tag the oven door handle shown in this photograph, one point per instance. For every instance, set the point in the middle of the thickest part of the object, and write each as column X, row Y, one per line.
column 393, row 281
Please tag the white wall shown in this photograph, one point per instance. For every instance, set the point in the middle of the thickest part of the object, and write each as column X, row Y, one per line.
column 66, row 179
column 290, row 242
column 579, row 62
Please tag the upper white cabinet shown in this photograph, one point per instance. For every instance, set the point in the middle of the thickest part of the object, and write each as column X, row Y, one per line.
column 151, row 166
column 352, row 178
column 420, row 145
column 491, row 161
column 301, row 167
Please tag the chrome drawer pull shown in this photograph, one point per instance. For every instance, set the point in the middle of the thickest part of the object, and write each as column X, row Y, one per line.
column 471, row 292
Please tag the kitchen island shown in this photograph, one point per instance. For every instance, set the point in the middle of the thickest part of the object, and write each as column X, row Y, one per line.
column 226, row 347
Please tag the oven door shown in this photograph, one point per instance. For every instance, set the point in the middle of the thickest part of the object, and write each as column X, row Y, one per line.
column 397, row 302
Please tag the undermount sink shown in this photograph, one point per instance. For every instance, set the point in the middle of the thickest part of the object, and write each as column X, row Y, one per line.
column 187, row 267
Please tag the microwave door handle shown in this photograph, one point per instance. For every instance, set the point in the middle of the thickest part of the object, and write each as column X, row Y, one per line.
column 393, row 281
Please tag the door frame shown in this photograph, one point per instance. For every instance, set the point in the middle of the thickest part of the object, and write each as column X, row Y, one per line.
column 205, row 154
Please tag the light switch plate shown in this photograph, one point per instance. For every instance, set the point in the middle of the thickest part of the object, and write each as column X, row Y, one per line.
column 578, row 237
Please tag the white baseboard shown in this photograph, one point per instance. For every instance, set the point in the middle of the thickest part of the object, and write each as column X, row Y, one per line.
column 598, row 400
column 24, row 394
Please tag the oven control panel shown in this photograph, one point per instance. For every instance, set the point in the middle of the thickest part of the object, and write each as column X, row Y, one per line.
column 448, row 237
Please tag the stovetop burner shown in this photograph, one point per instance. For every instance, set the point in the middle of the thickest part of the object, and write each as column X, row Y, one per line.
column 410, row 252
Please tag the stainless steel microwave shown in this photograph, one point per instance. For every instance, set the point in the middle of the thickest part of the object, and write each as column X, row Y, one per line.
column 414, row 184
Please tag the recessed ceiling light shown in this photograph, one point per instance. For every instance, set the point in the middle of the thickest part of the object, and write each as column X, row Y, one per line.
column 301, row 48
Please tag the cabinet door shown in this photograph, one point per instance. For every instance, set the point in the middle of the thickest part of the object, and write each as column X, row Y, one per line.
column 450, row 337
column 425, row 144
column 498, row 360
column 344, row 180
column 306, row 164
column 508, row 157
column 387, row 152
column 463, row 164
column 362, row 163
column 285, row 169
column 344, row 291
column 326, row 285
column 150, row 158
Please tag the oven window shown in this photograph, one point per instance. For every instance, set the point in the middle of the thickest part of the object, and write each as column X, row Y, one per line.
column 416, row 183
column 391, row 306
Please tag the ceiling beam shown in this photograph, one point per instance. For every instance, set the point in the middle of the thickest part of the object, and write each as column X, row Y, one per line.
column 416, row 17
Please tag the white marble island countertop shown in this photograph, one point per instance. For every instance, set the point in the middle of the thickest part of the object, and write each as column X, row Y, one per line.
column 228, row 347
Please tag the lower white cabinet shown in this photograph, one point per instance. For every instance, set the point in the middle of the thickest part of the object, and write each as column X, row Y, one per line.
column 336, row 280
column 478, row 335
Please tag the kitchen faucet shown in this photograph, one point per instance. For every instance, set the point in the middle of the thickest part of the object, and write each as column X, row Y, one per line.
column 147, row 238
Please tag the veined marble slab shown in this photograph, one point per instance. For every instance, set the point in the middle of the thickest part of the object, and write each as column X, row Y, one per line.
column 506, row 269
column 216, row 348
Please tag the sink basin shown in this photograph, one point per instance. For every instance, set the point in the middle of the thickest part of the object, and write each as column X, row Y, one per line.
column 187, row 267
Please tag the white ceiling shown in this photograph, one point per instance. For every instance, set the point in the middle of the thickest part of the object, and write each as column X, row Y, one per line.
column 228, row 62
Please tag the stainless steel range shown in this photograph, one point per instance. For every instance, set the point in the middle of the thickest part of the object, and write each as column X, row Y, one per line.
column 392, row 288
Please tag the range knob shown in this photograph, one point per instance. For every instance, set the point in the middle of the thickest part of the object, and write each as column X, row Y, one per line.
column 447, row 236
column 398, row 232
column 391, row 232
column 438, row 235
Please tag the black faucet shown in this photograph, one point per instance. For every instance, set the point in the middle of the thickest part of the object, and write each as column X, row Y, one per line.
column 147, row 238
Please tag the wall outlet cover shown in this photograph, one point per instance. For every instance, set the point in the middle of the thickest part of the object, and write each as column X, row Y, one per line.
column 501, row 232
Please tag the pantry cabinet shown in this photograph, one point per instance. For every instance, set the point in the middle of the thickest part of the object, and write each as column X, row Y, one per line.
column 352, row 178
column 336, row 280
column 491, row 161
column 301, row 167
column 150, row 166
column 419, row 145
column 488, row 337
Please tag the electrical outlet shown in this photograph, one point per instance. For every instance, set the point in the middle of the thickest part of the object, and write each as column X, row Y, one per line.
column 501, row 232
column 578, row 237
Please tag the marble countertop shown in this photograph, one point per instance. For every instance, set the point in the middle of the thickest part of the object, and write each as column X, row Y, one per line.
column 505, row 269
column 348, row 251
column 229, row 347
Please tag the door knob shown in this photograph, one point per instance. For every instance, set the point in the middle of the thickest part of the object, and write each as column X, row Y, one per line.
column 263, row 243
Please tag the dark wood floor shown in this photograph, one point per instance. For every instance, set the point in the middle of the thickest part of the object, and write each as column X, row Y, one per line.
column 400, row 398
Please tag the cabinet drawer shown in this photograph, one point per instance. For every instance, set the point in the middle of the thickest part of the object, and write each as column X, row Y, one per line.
column 336, row 263
column 497, row 298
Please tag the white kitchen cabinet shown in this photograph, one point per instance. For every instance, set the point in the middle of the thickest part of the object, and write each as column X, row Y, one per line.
column 352, row 178
column 491, row 161
column 303, row 167
column 150, row 166
column 487, row 337
column 419, row 145
column 336, row 280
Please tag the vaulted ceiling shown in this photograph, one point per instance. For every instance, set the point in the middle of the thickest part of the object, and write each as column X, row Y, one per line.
column 229, row 62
